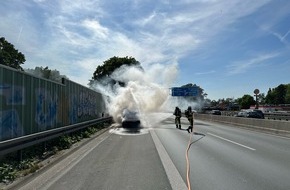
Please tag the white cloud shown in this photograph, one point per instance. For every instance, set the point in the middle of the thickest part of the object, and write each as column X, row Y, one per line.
column 98, row 30
column 206, row 73
column 78, row 8
column 82, row 33
column 242, row 66
column 39, row 1
column 146, row 20
column 282, row 38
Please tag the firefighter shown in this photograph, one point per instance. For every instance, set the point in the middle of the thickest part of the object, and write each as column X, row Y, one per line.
column 189, row 115
column 177, row 113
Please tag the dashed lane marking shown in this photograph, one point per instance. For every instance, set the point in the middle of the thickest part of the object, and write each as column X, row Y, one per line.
column 232, row 141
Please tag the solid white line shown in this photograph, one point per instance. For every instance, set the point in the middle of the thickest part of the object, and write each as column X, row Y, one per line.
column 231, row 141
column 47, row 179
column 172, row 173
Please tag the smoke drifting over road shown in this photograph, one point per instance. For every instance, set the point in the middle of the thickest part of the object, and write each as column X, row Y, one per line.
column 146, row 92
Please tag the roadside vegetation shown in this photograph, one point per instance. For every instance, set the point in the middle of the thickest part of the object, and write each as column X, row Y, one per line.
column 29, row 160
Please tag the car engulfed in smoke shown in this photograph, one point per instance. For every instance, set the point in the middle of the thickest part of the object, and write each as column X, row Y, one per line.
column 130, row 119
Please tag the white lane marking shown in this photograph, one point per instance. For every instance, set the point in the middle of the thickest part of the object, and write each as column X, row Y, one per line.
column 172, row 173
column 231, row 141
column 49, row 177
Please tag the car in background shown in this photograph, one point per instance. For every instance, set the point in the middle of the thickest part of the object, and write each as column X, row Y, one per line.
column 130, row 119
column 242, row 114
column 262, row 116
column 216, row 112
column 251, row 114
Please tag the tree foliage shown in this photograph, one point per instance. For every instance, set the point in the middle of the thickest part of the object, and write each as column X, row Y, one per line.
column 103, row 72
column 10, row 56
column 246, row 101
column 262, row 98
column 201, row 94
column 287, row 96
column 274, row 96
column 112, row 64
column 278, row 95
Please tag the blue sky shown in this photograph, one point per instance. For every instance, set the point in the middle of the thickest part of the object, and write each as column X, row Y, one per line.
column 229, row 48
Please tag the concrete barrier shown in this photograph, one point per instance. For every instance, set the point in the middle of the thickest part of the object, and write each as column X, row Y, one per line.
column 272, row 126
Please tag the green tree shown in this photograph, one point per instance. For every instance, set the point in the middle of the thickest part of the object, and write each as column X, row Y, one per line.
column 111, row 65
column 287, row 96
column 280, row 93
column 10, row 56
column 200, row 96
column 213, row 103
column 103, row 72
column 262, row 98
column 246, row 101
column 269, row 99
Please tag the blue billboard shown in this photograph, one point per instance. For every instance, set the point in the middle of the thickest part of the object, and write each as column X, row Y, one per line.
column 185, row 91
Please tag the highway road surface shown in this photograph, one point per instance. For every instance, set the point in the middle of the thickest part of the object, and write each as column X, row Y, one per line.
column 159, row 156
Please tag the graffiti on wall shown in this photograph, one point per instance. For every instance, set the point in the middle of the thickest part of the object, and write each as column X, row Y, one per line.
column 14, row 95
column 73, row 114
column 11, row 126
column 39, row 105
column 87, row 104
column 46, row 109
column 10, row 123
column 82, row 105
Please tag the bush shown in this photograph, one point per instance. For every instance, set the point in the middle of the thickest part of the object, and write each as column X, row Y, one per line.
column 7, row 173
column 65, row 142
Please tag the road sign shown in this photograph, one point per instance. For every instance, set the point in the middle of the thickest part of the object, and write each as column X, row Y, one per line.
column 256, row 91
column 186, row 91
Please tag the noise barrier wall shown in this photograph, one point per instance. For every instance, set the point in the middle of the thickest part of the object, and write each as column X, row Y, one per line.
column 30, row 104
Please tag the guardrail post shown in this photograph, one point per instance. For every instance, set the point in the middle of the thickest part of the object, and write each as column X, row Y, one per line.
column 19, row 155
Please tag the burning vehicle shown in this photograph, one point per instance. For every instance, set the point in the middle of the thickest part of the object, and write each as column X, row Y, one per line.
column 130, row 119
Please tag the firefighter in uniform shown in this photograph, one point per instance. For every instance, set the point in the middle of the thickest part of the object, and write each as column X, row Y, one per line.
column 177, row 113
column 189, row 115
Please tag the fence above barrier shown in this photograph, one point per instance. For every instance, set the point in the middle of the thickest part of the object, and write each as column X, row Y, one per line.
column 278, row 116
column 273, row 115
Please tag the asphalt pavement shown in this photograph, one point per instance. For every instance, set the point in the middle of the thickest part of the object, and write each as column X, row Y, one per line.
column 159, row 156
column 229, row 157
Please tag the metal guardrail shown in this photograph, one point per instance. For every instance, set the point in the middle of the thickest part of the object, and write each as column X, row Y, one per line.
column 19, row 143
column 277, row 116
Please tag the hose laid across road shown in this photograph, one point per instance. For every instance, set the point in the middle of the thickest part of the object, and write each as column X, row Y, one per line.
column 187, row 157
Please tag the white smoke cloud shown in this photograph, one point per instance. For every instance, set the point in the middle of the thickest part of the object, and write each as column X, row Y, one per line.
column 145, row 92
column 46, row 73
